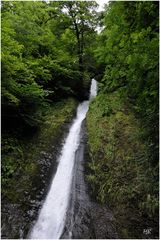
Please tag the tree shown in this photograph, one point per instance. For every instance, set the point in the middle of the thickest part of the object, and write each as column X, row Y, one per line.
column 83, row 18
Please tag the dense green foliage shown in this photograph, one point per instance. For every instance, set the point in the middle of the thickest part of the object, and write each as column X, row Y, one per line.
column 41, row 58
column 124, row 146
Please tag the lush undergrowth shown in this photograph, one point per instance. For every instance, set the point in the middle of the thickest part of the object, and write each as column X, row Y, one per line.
column 120, row 171
column 20, row 155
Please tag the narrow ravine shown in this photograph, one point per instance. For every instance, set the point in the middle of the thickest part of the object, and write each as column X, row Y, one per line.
column 51, row 220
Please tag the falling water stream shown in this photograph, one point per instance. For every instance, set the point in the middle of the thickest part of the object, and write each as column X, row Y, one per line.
column 52, row 216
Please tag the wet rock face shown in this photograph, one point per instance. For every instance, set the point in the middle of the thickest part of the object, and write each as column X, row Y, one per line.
column 16, row 221
column 86, row 219
column 103, row 222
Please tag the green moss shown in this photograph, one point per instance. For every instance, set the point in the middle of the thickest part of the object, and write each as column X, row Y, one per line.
column 31, row 168
column 120, row 174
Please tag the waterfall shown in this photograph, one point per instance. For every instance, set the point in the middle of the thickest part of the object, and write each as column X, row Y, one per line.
column 52, row 216
column 93, row 89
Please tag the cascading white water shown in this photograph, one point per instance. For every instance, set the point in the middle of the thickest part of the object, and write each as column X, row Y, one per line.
column 51, row 220
column 93, row 89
